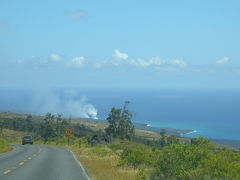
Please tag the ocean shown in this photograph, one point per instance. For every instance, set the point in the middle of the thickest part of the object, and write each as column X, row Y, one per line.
column 212, row 113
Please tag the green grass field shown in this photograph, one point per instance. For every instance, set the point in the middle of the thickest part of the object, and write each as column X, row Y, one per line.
column 4, row 145
column 102, row 163
column 9, row 137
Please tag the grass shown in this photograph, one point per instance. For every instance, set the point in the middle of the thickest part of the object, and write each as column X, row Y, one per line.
column 15, row 115
column 4, row 147
column 147, row 134
column 13, row 137
column 93, row 125
column 9, row 137
column 102, row 163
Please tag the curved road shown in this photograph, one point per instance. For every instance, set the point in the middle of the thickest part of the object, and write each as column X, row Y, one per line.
column 36, row 162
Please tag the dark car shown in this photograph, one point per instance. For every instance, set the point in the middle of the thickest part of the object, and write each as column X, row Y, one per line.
column 27, row 140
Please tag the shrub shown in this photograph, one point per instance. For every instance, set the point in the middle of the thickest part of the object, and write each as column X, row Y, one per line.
column 141, row 174
column 4, row 147
column 222, row 164
column 177, row 159
column 196, row 161
column 135, row 157
column 100, row 151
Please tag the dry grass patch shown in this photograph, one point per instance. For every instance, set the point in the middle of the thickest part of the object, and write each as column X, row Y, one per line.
column 4, row 147
column 13, row 136
column 147, row 134
column 93, row 125
column 9, row 137
column 101, row 164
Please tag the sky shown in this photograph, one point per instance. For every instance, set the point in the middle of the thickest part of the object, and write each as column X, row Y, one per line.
column 120, row 44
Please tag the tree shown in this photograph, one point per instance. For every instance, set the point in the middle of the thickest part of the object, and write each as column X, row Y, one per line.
column 61, row 125
column 29, row 124
column 47, row 129
column 120, row 123
column 199, row 141
column 126, row 128
column 173, row 139
column 113, row 120
column 163, row 141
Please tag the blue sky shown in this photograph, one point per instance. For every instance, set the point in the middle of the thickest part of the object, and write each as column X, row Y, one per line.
column 120, row 44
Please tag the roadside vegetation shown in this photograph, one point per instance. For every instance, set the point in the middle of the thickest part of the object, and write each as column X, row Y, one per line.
column 4, row 145
column 119, row 151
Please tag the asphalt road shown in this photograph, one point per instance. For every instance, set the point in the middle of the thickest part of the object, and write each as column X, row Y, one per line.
column 36, row 162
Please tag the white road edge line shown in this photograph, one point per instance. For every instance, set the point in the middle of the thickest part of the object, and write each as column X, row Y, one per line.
column 79, row 163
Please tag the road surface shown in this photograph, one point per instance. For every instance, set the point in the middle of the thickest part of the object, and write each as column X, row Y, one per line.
column 36, row 162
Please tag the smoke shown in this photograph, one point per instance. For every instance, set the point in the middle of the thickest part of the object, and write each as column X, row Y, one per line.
column 68, row 103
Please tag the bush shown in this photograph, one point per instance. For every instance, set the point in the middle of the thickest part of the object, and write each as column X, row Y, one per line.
column 135, row 157
column 100, row 151
column 115, row 146
column 222, row 164
column 196, row 161
column 82, row 142
column 4, row 147
column 200, row 141
column 175, row 160
column 141, row 174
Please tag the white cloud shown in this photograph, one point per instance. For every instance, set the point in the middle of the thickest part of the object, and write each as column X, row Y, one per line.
column 76, row 15
column 55, row 57
column 158, row 62
column 178, row 62
column 223, row 60
column 155, row 62
column 78, row 62
column 97, row 65
column 140, row 62
column 120, row 55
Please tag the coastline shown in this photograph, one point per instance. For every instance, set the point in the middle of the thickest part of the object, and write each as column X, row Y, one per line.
column 169, row 131
column 148, row 127
column 143, row 126
column 191, row 132
column 174, row 131
column 184, row 132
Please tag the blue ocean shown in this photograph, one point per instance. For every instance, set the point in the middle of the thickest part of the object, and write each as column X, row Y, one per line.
column 212, row 113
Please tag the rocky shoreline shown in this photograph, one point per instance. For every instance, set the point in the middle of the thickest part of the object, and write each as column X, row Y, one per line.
column 174, row 131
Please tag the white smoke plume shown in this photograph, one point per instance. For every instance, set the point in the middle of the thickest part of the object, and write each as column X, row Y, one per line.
column 68, row 103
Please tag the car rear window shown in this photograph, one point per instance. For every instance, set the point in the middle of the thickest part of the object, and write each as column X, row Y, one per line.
column 27, row 136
